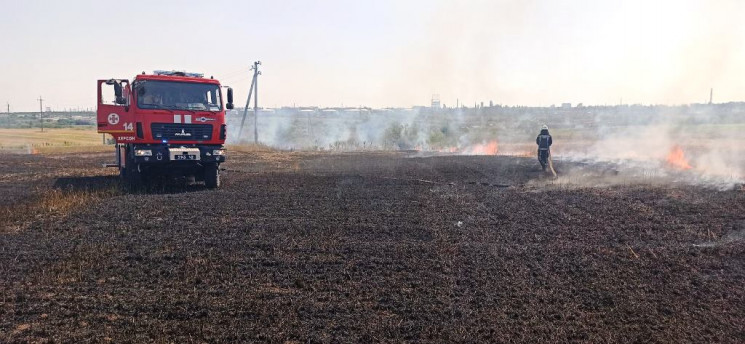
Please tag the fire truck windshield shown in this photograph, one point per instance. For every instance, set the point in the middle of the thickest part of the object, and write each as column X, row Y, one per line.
column 170, row 95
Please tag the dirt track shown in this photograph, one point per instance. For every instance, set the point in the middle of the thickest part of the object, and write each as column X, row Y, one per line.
column 366, row 247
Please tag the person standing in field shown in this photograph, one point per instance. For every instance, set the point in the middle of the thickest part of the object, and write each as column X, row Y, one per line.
column 544, row 142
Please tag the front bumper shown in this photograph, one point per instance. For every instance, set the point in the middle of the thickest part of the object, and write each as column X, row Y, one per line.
column 181, row 154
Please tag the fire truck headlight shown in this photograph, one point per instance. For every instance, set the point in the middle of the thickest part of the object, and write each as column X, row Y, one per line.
column 143, row 152
column 218, row 152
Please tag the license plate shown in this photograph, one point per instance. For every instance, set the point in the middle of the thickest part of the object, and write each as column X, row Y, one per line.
column 185, row 157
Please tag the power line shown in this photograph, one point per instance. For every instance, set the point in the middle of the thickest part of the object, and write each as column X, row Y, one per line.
column 234, row 75
column 243, row 69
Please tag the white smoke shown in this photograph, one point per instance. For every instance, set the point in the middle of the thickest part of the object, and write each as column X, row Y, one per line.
column 639, row 138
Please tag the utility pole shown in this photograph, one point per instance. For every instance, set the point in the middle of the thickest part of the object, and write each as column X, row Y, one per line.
column 253, row 90
column 245, row 109
column 711, row 96
column 256, row 101
column 41, row 114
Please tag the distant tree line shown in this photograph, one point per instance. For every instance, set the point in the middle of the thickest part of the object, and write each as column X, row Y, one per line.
column 51, row 119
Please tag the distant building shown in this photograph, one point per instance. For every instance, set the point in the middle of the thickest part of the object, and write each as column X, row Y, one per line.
column 436, row 102
column 566, row 105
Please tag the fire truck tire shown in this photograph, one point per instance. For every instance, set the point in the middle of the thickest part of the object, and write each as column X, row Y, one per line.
column 212, row 176
column 132, row 175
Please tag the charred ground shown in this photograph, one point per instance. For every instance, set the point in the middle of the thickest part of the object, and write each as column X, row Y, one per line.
column 367, row 247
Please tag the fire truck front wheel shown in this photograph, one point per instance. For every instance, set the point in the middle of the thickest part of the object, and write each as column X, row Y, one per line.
column 212, row 176
column 133, row 176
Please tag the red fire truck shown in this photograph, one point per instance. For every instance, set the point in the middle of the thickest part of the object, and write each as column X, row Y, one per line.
column 168, row 123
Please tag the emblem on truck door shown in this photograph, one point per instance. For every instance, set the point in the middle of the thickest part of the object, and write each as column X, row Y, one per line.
column 113, row 118
column 182, row 133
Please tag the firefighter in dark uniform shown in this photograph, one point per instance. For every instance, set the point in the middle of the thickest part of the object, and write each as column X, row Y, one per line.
column 544, row 142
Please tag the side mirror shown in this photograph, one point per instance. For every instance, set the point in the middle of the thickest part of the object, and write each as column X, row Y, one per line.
column 229, row 105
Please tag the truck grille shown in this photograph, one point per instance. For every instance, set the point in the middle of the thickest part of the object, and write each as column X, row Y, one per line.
column 181, row 132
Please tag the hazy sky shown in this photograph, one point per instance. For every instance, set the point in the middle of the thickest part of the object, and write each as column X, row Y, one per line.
column 382, row 53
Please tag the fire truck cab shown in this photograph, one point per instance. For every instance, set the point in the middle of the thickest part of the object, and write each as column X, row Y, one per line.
column 169, row 123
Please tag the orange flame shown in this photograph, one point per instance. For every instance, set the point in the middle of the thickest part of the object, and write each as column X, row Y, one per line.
column 448, row 150
column 489, row 148
column 677, row 159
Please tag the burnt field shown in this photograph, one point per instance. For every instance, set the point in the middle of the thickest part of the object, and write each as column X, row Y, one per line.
column 368, row 247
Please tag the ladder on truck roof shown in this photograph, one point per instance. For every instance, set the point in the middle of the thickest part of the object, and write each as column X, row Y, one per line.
column 178, row 73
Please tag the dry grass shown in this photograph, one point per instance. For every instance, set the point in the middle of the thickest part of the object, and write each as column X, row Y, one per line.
column 263, row 152
column 67, row 140
column 55, row 150
column 251, row 148
column 51, row 204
